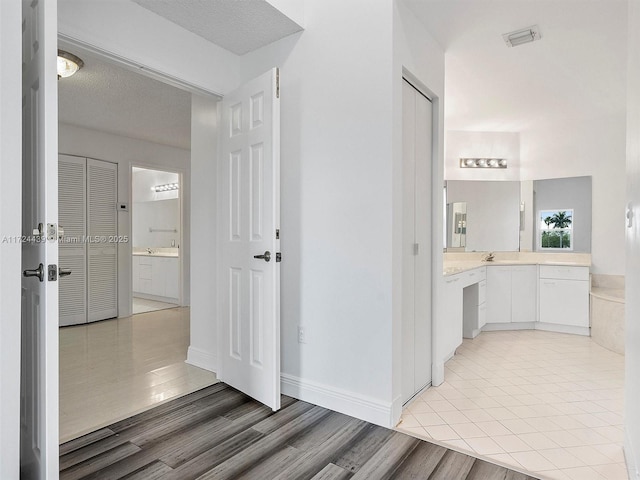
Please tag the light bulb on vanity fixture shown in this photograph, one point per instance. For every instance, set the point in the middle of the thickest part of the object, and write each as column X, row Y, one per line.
column 483, row 163
column 165, row 187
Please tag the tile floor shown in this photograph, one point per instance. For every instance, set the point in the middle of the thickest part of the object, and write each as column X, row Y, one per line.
column 540, row 402
column 113, row 369
column 142, row 305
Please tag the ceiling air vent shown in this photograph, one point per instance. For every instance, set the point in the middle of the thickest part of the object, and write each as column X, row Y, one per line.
column 519, row 37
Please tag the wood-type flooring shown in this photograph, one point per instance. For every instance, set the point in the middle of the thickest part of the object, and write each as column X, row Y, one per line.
column 220, row 433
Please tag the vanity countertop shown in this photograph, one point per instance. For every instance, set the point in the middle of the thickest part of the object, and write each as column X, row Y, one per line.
column 457, row 263
column 170, row 252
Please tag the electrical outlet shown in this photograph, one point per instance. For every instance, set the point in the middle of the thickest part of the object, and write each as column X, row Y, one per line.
column 302, row 334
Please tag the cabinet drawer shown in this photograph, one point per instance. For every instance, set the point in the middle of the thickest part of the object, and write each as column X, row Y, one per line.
column 473, row 276
column 561, row 272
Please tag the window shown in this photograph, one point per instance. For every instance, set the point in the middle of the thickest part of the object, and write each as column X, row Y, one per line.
column 556, row 229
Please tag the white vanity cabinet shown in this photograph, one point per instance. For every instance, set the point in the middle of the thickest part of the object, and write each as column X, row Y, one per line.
column 156, row 277
column 564, row 296
column 452, row 331
column 499, row 294
column 511, row 294
column 465, row 299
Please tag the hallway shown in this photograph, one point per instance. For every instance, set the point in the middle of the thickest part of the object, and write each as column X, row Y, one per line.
column 113, row 369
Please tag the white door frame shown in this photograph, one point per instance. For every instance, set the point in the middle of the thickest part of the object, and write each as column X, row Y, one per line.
column 11, row 226
column 437, row 175
column 182, row 175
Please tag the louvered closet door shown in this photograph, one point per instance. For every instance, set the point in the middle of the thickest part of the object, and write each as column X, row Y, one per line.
column 72, row 217
column 102, row 229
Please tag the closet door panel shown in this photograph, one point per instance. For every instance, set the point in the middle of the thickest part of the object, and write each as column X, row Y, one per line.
column 422, row 275
column 72, row 218
column 102, row 229
column 408, row 240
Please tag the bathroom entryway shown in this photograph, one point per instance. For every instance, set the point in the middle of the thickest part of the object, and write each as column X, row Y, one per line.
column 156, row 233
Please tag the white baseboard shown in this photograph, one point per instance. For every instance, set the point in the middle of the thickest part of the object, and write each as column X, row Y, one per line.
column 203, row 359
column 552, row 327
column 343, row 401
column 547, row 327
column 497, row 327
column 146, row 296
column 630, row 458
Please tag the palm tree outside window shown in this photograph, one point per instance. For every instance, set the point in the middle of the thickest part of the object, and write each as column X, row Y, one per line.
column 556, row 229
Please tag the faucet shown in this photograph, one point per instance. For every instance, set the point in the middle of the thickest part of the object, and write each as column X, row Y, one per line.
column 488, row 257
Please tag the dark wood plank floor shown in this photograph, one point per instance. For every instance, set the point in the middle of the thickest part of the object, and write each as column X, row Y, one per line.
column 220, row 433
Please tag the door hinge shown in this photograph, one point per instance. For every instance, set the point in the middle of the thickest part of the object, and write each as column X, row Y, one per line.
column 277, row 83
column 416, row 248
column 278, row 257
column 277, row 234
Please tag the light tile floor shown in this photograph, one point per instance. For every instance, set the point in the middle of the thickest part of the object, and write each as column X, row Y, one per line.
column 142, row 305
column 113, row 369
column 541, row 402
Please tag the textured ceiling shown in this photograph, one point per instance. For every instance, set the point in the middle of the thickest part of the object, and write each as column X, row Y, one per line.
column 576, row 71
column 102, row 96
column 239, row 26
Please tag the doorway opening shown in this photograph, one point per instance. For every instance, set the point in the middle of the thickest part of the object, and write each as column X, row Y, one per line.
column 125, row 364
column 156, row 233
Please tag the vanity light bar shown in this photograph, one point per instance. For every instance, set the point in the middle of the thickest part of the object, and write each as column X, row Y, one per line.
column 483, row 163
column 165, row 188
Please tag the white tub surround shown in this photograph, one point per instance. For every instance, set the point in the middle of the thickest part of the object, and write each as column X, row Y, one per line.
column 607, row 311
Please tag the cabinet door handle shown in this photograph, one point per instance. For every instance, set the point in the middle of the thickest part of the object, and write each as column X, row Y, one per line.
column 549, row 283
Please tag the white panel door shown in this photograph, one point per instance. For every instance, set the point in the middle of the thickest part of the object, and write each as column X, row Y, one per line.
column 102, row 229
column 249, row 215
column 39, row 370
column 72, row 218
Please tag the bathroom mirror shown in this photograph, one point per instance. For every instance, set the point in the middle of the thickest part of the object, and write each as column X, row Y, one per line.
column 457, row 222
column 491, row 215
column 506, row 215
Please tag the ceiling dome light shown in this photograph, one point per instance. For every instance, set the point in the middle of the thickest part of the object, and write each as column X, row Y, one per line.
column 68, row 64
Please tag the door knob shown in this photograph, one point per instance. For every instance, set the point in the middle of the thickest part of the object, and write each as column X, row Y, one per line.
column 64, row 272
column 266, row 256
column 38, row 272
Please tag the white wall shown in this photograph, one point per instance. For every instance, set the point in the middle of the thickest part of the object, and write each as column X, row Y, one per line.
column 204, row 122
column 461, row 144
column 418, row 55
column 593, row 147
column 10, row 226
column 336, row 220
column 149, row 217
column 127, row 152
column 632, row 325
